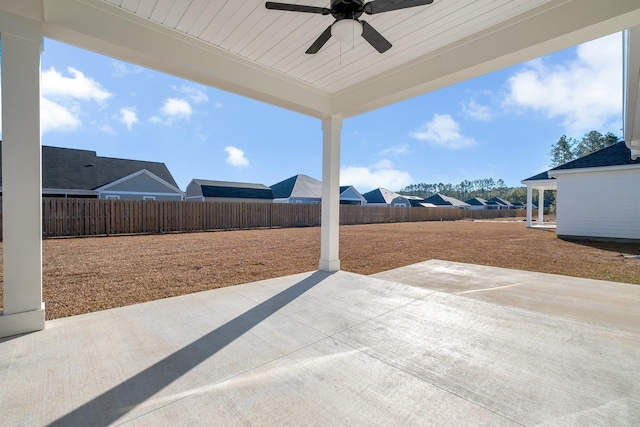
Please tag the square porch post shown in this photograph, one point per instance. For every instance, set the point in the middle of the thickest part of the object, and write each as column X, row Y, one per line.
column 540, row 206
column 529, row 205
column 23, row 309
column 329, row 234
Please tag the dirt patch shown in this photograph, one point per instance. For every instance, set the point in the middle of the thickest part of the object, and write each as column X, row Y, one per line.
column 89, row 274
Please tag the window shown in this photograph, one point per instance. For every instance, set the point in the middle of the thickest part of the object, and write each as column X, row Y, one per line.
column 112, row 197
column 148, row 197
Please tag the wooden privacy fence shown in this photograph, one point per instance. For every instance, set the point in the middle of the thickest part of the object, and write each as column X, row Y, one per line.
column 91, row 217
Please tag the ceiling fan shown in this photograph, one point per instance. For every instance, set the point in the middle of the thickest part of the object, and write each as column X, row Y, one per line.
column 347, row 25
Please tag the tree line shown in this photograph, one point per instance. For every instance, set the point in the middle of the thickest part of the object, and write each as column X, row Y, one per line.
column 563, row 151
column 568, row 149
column 484, row 188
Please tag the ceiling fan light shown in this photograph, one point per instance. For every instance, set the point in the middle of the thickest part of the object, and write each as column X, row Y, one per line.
column 346, row 30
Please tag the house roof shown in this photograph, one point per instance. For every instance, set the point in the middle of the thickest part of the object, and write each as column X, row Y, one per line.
column 477, row 201
column 539, row 177
column 70, row 168
column 427, row 205
column 499, row 201
column 239, row 190
column 614, row 155
column 380, row 195
column 442, row 200
column 300, row 185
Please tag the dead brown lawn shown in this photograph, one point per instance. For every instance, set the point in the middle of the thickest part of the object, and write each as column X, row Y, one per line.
column 89, row 274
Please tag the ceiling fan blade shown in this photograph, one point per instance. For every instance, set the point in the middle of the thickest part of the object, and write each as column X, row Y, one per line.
column 374, row 38
column 379, row 6
column 320, row 41
column 297, row 8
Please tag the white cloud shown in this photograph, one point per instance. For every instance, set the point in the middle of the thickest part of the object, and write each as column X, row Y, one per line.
column 173, row 108
column 79, row 86
column 586, row 93
column 129, row 117
column 382, row 174
column 120, row 69
column 395, row 150
column 63, row 98
column 54, row 116
column 477, row 111
column 178, row 108
column 444, row 132
column 192, row 93
column 218, row 105
column 236, row 156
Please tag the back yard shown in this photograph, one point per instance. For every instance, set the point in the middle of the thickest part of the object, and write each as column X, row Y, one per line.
column 89, row 274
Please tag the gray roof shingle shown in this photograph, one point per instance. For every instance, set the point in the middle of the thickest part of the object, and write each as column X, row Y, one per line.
column 613, row 155
column 442, row 200
column 69, row 168
column 302, row 186
column 539, row 177
column 239, row 190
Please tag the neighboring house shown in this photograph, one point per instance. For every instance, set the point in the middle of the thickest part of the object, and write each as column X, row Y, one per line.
column 350, row 196
column 68, row 172
column 500, row 203
column 442, row 201
column 225, row 191
column 297, row 189
column 539, row 182
column 598, row 195
column 384, row 197
column 425, row 205
column 413, row 200
column 518, row 205
column 477, row 203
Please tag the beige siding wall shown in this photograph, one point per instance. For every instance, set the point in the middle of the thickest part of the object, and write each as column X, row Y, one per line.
column 599, row 204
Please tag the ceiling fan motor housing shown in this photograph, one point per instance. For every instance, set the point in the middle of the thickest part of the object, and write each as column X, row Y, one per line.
column 347, row 9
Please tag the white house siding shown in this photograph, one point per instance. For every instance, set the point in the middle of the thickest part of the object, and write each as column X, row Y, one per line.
column 599, row 204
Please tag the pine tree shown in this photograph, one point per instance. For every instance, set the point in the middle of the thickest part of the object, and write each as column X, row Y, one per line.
column 562, row 151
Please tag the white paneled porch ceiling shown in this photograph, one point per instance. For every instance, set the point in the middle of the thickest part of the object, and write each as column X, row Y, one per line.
column 278, row 40
column 242, row 47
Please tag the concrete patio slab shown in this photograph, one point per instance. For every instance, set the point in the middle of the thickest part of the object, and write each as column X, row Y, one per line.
column 594, row 301
column 323, row 349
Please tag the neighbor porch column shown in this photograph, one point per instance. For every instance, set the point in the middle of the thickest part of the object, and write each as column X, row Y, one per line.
column 529, row 204
column 329, row 244
column 23, row 309
column 540, row 206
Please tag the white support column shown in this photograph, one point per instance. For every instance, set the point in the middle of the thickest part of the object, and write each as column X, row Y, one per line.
column 329, row 235
column 529, row 205
column 23, row 309
column 540, row 206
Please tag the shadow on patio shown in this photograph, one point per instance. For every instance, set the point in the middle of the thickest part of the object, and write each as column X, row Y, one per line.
column 118, row 401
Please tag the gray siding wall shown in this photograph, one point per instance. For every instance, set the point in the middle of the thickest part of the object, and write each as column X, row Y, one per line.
column 140, row 196
column 142, row 184
column 193, row 189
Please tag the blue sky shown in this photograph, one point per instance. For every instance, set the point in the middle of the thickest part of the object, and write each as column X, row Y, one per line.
column 499, row 126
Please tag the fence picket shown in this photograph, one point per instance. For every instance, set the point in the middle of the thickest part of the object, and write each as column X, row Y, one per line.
column 90, row 217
